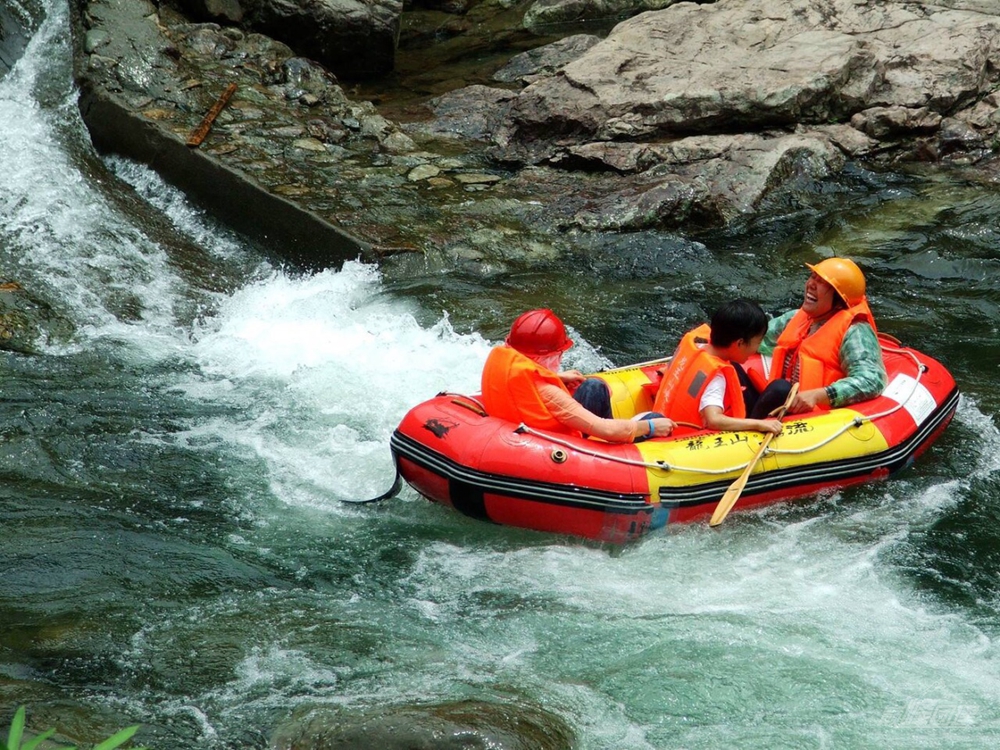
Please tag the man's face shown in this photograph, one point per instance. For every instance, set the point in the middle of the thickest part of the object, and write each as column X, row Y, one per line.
column 819, row 296
column 551, row 361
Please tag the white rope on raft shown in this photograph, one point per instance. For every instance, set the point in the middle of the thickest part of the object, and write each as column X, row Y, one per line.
column 860, row 420
column 664, row 466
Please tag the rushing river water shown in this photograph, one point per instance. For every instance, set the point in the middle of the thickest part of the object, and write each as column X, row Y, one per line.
column 175, row 552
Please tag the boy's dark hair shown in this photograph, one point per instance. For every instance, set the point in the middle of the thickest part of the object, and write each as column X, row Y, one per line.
column 735, row 320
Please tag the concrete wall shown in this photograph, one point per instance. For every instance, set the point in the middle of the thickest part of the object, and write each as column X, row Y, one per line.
column 280, row 227
column 14, row 34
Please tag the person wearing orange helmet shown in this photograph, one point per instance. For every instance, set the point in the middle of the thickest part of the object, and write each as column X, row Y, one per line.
column 829, row 345
column 522, row 383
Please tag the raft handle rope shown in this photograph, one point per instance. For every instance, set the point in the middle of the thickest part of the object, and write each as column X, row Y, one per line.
column 470, row 403
column 664, row 466
column 661, row 465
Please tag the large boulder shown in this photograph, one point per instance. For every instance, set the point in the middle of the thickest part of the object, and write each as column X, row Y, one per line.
column 355, row 39
column 699, row 179
column 703, row 111
column 545, row 15
column 740, row 65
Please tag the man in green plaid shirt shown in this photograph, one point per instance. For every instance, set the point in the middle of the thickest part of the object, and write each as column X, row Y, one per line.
column 829, row 344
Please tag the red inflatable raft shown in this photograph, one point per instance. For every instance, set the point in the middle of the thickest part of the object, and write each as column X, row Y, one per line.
column 452, row 452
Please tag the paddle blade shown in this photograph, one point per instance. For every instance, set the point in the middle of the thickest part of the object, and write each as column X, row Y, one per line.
column 728, row 501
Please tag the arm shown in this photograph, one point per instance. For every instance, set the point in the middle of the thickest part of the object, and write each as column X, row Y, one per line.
column 571, row 414
column 774, row 328
column 715, row 419
column 713, row 415
column 861, row 359
column 571, row 378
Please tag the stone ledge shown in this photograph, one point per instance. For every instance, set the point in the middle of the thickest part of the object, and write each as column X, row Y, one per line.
column 281, row 226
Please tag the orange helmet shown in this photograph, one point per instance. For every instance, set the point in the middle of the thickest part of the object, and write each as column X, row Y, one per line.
column 538, row 332
column 844, row 276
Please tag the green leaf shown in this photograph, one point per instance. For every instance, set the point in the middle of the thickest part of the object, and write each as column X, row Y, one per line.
column 16, row 730
column 119, row 738
column 38, row 740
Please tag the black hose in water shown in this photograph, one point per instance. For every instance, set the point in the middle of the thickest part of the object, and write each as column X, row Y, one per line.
column 397, row 483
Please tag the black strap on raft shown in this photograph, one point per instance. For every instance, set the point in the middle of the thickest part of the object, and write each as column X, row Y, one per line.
column 397, row 483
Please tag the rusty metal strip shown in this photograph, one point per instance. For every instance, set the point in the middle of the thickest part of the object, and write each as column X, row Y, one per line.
column 199, row 133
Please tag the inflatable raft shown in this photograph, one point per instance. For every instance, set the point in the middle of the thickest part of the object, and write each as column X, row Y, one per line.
column 452, row 452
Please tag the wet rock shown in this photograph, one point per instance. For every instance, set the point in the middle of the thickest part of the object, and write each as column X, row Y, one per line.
column 543, row 15
column 26, row 323
column 325, row 131
column 529, row 66
column 759, row 63
column 95, row 39
column 463, row 725
column 882, row 123
column 423, row 172
column 300, row 77
column 477, row 178
column 356, row 40
column 396, row 142
column 848, row 139
column 309, row 144
column 956, row 135
column 471, row 113
column 14, row 36
column 373, row 125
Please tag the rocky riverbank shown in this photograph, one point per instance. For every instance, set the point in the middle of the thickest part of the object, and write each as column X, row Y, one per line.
column 686, row 116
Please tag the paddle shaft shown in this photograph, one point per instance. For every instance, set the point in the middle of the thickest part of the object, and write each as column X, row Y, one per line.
column 736, row 488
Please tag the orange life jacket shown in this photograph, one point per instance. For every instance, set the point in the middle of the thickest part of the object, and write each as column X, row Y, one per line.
column 510, row 390
column 690, row 371
column 818, row 354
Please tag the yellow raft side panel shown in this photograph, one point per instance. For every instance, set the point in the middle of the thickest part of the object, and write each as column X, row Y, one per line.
column 717, row 456
column 711, row 457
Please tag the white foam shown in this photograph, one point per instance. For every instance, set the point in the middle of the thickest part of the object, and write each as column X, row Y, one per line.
column 323, row 368
column 62, row 237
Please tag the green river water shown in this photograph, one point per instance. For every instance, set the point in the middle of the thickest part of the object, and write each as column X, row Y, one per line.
column 174, row 551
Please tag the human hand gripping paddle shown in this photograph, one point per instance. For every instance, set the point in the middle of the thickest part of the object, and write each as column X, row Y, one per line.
column 736, row 488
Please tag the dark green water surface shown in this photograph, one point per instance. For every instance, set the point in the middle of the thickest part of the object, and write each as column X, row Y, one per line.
column 174, row 551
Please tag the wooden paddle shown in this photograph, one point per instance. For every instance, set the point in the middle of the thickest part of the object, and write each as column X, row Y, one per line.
column 736, row 488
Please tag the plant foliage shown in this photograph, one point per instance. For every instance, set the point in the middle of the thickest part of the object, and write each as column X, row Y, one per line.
column 16, row 733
